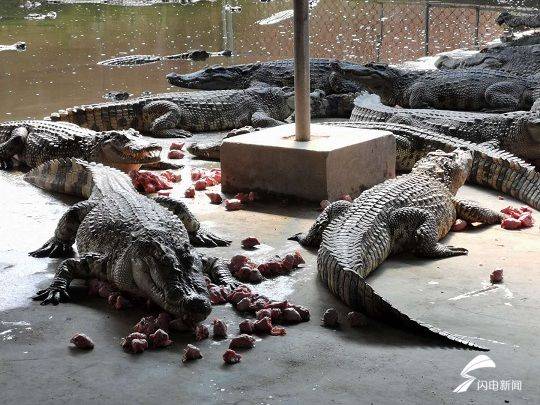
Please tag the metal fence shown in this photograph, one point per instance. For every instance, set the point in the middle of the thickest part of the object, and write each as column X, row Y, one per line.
column 363, row 30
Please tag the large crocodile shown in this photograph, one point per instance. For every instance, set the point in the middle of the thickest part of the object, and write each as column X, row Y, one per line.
column 524, row 60
column 492, row 167
column 34, row 142
column 133, row 60
column 519, row 21
column 271, row 73
column 517, row 132
column 473, row 89
column 409, row 213
column 169, row 115
column 140, row 245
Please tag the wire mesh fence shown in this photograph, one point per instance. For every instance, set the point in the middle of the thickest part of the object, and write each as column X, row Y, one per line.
column 364, row 30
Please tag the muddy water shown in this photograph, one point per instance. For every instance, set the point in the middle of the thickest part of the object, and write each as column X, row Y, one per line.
column 60, row 69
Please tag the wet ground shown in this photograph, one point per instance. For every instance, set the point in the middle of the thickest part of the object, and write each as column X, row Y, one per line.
column 376, row 364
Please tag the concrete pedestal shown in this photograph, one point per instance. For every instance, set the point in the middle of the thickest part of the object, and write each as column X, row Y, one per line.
column 336, row 161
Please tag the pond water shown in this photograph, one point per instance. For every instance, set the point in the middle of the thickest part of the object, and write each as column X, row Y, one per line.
column 59, row 68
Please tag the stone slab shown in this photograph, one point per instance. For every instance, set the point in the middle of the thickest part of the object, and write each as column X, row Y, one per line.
column 336, row 161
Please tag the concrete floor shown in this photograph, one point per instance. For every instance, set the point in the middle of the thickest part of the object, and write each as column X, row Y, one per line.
column 377, row 364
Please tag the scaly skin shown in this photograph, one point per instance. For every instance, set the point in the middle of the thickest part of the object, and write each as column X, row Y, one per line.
column 523, row 60
column 332, row 106
column 516, row 132
column 519, row 21
column 492, row 167
column 140, row 245
column 471, row 89
column 409, row 213
column 34, row 142
column 272, row 73
column 171, row 115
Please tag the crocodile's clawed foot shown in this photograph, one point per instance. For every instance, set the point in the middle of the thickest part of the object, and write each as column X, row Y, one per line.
column 53, row 248
column 52, row 295
column 233, row 285
column 204, row 238
column 6, row 165
column 456, row 251
column 297, row 237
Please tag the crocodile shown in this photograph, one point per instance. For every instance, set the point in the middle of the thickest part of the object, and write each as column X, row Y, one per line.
column 141, row 245
column 524, row 60
column 171, row 115
column 519, row 21
column 517, row 132
column 410, row 213
column 492, row 167
column 34, row 142
column 131, row 60
column 472, row 89
column 271, row 73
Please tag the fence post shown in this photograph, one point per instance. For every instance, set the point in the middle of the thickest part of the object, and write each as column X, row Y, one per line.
column 477, row 28
column 302, row 113
column 426, row 29
column 381, row 33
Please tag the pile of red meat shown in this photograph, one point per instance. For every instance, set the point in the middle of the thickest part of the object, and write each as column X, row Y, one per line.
column 150, row 333
column 517, row 218
column 244, row 269
column 149, row 182
column 203, row 178
column 175, row 150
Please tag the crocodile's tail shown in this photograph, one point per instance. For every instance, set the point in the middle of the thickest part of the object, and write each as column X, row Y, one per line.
column 78, row 177
column 507, row 173
column 355, row 292
column 103, row 116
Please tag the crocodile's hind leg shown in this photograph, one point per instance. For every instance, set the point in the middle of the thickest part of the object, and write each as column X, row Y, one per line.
column 198, row 236
column 60, row 245
column 314, row 236
column 13, row 146
column 417, row 228
column 471, row 211
column 163, row 118
column 86, row 266
column 263, row 120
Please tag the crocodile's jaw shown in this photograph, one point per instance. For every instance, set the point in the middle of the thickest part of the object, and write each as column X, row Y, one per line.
column 207, row 79
column 174, row 283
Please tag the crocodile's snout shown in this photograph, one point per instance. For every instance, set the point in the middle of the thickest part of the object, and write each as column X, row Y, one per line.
column 197, row 307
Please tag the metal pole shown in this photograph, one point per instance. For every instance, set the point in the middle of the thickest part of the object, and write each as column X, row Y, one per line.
column 302, row 107
column 426, row 30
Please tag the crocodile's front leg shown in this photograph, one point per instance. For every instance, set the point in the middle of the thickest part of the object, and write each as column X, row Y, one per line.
column 471, row 212
column 163, row 120
column 418, row 227
column 218, row 271
column 504, row 97
column 198, row 236
column 314, row 236
column 91, row 264
column 13, row 146
column 263, row 120
column 60, row 245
